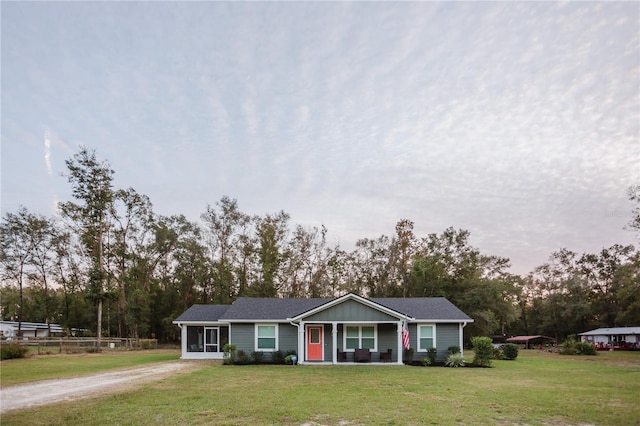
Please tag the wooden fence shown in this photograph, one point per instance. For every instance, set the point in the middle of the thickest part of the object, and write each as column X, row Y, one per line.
column 80, row 344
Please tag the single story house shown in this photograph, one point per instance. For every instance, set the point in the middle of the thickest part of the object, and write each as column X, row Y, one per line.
column 329, row 330
column 613, row 337
column 9, row 329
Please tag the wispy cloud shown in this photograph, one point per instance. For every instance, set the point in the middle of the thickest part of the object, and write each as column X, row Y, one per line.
column 47, row 150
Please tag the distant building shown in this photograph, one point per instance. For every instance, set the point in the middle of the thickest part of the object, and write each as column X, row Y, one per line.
column 531, row 341
column 9, row 329
column 613, row 338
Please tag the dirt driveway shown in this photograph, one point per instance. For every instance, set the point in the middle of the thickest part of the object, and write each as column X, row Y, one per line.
column 57, row 390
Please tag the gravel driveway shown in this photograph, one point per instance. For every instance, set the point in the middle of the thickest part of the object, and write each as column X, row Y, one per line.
column 56, row 390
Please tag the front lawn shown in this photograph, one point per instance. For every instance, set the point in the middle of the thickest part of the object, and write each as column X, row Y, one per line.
column 537, row 388
column 42, row 367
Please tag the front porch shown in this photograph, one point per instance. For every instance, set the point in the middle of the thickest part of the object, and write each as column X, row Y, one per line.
column 350, row 343
column 338, row 331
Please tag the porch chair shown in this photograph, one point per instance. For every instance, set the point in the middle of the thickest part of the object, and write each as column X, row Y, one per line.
column 342, row 356
column 385, row 356
column 362, row 355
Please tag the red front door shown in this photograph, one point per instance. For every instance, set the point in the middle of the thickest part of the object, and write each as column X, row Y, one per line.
column 314, row 343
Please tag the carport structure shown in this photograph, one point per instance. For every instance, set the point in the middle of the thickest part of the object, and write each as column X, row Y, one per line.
column 530, row 340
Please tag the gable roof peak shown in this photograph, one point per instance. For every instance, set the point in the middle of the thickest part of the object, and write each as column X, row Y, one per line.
column 351, row 296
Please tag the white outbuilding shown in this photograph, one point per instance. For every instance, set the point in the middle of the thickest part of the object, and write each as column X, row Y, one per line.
column 9, row 329
column 625, row 338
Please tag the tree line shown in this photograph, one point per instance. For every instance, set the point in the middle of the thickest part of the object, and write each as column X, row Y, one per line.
column 108, row 265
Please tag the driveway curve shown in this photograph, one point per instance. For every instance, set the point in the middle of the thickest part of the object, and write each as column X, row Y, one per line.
column 57, row 390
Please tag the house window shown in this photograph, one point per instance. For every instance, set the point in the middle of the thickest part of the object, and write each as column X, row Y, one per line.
column 195, row 339
column 352, row 338
column 314, row 336
column 368, row 338
column 360, row 337
column 211, row 339
column 266, row 337
column 207, row 339
column 426, row 337
column 215, row 338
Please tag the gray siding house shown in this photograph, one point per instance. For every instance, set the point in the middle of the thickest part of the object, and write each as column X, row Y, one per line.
column 324, row 331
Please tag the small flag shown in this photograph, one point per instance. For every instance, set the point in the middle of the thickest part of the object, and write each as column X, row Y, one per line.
column 405, row 335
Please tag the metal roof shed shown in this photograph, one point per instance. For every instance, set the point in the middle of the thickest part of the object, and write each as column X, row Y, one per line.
column 538, row 339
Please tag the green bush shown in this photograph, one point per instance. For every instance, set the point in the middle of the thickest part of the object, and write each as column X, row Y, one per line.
column 451, row 350
column 229, row 356
column 291, row 359
column 257, row 357
column 585, row 348
column 483, row 348
column 568, row 347
column 277, row 357
column 12, row 351
column 432, row 354
column 497, row 354
column 408, row 356
column 455, row 360
column 242, row 358
column 426, row 361
column 288, row 354
column 510, row 351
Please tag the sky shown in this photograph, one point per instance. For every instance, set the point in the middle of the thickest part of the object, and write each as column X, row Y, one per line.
column 517, row 121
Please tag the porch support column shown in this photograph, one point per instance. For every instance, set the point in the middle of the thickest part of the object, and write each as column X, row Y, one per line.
column 334, row 340
column 461, row 332
column 400, row 351
column 301, row 354
column 183, row 343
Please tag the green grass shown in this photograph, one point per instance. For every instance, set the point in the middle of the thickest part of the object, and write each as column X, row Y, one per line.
column 537, row 388
column 15, row 371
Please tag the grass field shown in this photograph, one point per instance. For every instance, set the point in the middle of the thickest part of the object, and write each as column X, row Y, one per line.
column 16, row 371
column 538, row 388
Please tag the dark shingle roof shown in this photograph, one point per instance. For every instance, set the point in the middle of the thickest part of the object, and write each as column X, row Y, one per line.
column 207, row 313
column 424, row 307
column 248, row 308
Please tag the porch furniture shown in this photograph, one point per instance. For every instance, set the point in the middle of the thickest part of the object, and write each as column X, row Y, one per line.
column 362, row 355
column 342, row 356
column 385, row 356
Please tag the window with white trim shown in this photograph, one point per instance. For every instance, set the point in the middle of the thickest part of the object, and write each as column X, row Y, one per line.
column 215, row 338
column 266, row 337
column 314, row 335
column 426, row 337
column 195, row 338
column 360, row 337
column 207, row 339
column 212, row 339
